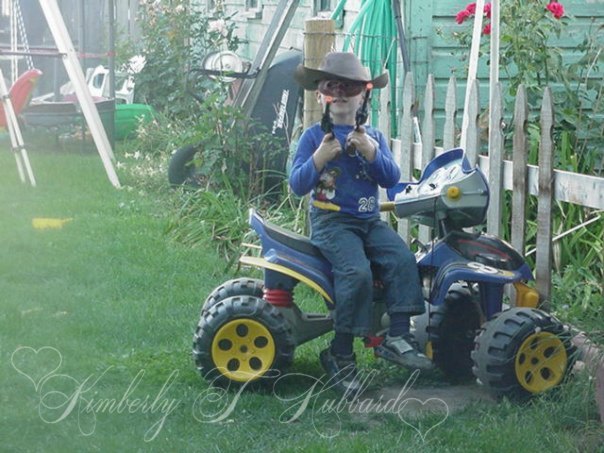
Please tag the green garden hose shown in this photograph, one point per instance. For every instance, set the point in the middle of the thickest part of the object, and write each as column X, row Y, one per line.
column 375, row 35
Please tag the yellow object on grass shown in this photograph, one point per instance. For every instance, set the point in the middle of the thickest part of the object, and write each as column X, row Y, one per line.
column 44, row 223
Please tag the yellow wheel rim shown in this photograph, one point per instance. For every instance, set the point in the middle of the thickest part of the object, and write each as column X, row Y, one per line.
column 541, row 362
column 243, row 350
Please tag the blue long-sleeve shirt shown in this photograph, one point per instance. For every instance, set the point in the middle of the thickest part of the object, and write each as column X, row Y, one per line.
column 347, row 184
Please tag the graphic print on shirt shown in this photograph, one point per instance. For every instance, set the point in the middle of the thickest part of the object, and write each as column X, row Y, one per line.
column 367, row 204
column 363, row 171
column 326, row 187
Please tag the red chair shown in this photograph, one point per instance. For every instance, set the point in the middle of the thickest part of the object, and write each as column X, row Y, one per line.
column 20, row 93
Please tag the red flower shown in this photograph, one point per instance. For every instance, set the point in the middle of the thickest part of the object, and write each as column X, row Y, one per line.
column 487, row 29
column 487, row 10
column 470, row 11
column 461, row 16
column 556, row 9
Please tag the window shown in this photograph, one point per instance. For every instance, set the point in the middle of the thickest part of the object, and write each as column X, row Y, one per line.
column 253, row 9
column 322, row 5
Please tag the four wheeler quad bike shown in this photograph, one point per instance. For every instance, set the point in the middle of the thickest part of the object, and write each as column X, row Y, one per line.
column 249, row 328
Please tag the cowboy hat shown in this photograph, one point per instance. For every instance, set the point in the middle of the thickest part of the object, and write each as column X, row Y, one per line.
column 338, row 65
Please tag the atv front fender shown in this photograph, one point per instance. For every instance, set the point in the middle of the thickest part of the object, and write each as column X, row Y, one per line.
column 491, row 282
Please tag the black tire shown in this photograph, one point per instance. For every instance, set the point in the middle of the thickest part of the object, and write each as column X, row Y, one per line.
column 242, row 340
column 182, row 169
column 451, row 332
column 236, row 287
column 522, row 352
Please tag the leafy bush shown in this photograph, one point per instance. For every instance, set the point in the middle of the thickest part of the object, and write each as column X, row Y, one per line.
column 524, row 54
column 232, row 163
column 222, row 218
column 219, row 217
column 578, row 297
column 144, row 160
column 234, row 152
column 528, row 56
column 175, row 37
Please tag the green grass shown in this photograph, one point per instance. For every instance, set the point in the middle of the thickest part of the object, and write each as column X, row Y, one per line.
column 118, row 300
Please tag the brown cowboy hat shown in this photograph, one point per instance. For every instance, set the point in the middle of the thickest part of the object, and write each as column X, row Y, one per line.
column 338, row 65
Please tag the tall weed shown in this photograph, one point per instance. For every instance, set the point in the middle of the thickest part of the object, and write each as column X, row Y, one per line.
column 211, row 218
column 221, row 217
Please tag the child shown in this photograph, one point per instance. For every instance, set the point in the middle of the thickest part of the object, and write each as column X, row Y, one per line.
column 342, row 170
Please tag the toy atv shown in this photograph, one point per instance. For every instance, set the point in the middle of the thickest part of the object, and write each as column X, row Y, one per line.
column 249, row 328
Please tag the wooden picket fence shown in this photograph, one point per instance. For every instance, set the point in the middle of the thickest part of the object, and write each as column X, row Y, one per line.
column 543, row 181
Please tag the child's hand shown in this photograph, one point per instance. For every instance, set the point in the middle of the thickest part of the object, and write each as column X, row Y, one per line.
column 363, row 143
column 328, row 150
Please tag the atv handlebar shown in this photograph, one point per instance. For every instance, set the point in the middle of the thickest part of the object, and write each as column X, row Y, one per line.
column 387, row 206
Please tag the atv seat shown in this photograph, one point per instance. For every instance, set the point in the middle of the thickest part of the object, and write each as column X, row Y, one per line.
column 293, row 240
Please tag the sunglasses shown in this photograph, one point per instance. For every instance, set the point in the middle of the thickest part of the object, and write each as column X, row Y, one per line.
column 345, row 88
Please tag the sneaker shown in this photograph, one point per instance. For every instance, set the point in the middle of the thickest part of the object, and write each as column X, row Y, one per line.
column 341, row 372
column 403, row 351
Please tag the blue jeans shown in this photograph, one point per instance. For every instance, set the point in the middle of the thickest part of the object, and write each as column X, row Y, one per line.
column 353, row 247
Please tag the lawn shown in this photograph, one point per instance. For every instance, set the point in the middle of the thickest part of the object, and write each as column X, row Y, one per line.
column 95, row 338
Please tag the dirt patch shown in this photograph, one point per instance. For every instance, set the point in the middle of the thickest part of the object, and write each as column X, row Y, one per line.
column 445, row 399
column 593, row 359
column 421, row 409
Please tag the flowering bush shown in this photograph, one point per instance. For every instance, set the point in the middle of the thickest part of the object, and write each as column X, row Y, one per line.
column 174, row 38
column 470, row 11
column 554, row 7
column 528, row 56
column 525, row 25
column 524, row 54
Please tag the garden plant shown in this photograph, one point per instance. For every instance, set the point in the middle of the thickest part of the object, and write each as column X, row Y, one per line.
column 532, row 54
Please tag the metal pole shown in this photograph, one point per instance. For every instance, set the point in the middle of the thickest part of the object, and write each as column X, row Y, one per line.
column 21, row 157
column 111, row 48
column 82, row 34
column 248, row 93
column 65, row 46
column 82, row 56
column 111, row 19
column 14, row 62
